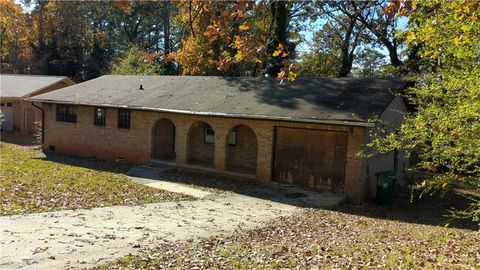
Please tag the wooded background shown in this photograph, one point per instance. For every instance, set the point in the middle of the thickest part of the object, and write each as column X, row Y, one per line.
column 86, row 39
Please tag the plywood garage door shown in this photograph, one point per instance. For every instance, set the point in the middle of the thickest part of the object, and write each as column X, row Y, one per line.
column 310, row 158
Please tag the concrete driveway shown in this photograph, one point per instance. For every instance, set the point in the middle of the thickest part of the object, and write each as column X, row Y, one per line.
column 84, row 238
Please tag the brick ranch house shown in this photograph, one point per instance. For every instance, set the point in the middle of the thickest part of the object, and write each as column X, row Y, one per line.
column 305, row 133
column 20, row 115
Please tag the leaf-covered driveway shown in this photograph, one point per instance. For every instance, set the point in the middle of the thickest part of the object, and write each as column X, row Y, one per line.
column 321, row 239
column 83, row 238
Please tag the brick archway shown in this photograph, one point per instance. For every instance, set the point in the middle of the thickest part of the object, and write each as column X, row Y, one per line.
column 163, row 141
column 241, row 150
column 201, row 144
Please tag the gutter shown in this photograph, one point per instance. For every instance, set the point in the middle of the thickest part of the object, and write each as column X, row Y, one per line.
column 43, row 120
column 216, row 114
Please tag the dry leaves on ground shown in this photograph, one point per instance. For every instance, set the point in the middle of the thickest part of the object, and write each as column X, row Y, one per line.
column 321, row 239
column 32, row 182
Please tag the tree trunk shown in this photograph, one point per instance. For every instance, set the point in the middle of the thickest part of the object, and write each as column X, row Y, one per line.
column 166, row 26
column 280, row 16
column 347, row 57
column 392, row 52
column 170, row 68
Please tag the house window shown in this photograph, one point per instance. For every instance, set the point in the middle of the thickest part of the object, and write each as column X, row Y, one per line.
column 123, row 118
column 9, row 104
column 232, row 137
column 1, row 104
column 66, row 113
column 209, row 134
column 100, row 117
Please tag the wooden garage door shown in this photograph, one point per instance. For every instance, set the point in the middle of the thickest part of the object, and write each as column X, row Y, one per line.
column 311, row 158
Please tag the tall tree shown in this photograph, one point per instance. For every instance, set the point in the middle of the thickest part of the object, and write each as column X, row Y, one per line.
column 373, row 17
column 280, row 21
column 342, row 34
column 318, row 64
column 445, row 129
column 369, row 63
column 248, row 38
column 60, row 50
column 102, row 47
column 14, row 34
column 137, row 62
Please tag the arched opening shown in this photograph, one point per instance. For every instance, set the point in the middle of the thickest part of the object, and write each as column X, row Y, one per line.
column 201, row 144
column 242, row 150
column 164, row 140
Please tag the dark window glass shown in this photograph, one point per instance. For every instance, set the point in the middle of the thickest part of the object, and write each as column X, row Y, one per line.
column 9, row 104
column 209, row 134
column 66, row 113
column 1, row 104
column 100, row 117
column 123, row 119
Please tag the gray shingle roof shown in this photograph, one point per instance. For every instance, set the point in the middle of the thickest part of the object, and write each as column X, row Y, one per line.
column 19, row 85
column 313, row 99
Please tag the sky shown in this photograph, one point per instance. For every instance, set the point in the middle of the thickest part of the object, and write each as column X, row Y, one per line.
column 311, row 27
column 25, row 8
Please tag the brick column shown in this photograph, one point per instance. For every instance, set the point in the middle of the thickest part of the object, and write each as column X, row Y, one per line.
column 265, row 138
column 355, row 185
column 181, row 142
column 219, row 157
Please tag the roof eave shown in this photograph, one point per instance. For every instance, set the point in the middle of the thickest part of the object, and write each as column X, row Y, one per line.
column 65, row 80
column 2, row 97
column 217, row 114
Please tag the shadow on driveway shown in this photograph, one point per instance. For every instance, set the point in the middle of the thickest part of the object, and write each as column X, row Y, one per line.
column 428, row 211
column 218, row 184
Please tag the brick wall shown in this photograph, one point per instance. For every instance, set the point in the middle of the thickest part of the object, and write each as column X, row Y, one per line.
column 135, row 144
column 199, row 151
column 243, row 155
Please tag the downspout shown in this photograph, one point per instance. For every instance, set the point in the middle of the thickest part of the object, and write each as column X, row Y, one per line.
column 43, row 120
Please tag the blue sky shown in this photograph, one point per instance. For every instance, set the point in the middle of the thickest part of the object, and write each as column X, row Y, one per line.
column 311, row 27
column 25, row 8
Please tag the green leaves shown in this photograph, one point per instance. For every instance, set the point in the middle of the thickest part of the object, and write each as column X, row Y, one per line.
column 445, row 129
column 137, row 62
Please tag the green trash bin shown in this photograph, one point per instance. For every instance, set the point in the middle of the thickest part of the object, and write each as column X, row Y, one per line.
column 385, row 182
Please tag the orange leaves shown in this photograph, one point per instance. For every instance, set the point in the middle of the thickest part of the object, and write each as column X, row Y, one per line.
column 235, row 34
column 281, row 51
column 170, row 57
column 212, row 31
column 397, row 8
column 288, row 69
column 150, row 57
column 245, row 26
column 239, row 10
column 287, row 72
column 122, row 4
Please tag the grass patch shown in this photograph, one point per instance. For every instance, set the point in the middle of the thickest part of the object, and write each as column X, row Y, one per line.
column 320, row 239
column 32, row 182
